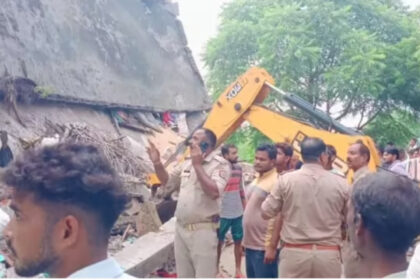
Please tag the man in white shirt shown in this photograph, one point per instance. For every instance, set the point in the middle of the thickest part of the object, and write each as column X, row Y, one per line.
column 392, row 159
column 4, row 220
column 65, row 200
column 413, row 270
column 107, row 268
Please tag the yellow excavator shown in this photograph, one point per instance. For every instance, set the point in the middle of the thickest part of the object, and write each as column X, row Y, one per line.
column 242, row 101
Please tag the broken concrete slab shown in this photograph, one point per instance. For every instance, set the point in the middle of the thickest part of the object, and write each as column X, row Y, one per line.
column 149, row 252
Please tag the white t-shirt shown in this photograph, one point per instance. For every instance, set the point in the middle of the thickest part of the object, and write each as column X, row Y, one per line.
column 413, row 270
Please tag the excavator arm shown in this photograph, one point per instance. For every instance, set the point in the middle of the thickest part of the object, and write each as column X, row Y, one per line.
column 242, row 101
column 280, row 128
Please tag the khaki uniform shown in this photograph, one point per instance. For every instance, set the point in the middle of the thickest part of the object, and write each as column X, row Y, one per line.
column 360, row 173
column 197, row 217
column 352, row 261
column 313, row 203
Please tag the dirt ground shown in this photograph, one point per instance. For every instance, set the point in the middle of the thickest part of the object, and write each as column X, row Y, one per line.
column 227, row 262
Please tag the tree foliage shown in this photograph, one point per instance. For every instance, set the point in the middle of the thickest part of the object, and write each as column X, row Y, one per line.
column 398, row 127
column 354, row 59
column 247, row 140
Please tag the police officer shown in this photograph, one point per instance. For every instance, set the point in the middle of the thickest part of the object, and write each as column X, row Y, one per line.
column 358, row 156
column 201, row 180
column 312, row 202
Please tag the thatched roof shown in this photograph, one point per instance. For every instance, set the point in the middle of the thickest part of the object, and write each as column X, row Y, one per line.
column 125, row 53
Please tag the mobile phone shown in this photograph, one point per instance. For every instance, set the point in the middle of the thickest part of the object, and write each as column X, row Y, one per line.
column 204, row 146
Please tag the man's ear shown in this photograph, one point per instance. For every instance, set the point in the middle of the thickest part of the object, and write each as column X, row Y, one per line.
column 323, row 158
column 67, row 232
column 366, row 158
column 359, row 225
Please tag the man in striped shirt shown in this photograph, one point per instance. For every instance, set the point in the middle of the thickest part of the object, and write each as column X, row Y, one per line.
column 233, row 205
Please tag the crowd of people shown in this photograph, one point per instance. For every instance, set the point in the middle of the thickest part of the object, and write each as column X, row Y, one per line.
column 295, row 219
column 299, row 218
column 397, row 159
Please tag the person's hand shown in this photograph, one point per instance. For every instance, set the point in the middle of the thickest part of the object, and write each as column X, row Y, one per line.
column 197, row 155
column 153, row 153
column 270, row 255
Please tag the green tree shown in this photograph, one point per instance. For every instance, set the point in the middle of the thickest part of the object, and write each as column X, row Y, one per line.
column 398, row 127
column 352, row 58
column 247, row 140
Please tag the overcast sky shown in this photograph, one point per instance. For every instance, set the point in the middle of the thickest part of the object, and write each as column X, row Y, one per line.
column 200, row 20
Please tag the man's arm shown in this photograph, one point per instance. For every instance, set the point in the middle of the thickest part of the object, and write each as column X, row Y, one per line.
column 212, row 184
column 273, row 204
column 347, row 194
column 242, row 191
column 207, row 184
column 272, row 239
column 160, row 170
column 278, row 223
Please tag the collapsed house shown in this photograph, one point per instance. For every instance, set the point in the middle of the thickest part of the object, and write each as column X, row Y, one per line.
column 111, row 73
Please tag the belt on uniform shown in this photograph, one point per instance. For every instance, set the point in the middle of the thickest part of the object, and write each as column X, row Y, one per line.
column 312, row 246
column 203, row 225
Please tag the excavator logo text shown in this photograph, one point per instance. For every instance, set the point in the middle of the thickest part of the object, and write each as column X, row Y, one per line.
column 234, row 91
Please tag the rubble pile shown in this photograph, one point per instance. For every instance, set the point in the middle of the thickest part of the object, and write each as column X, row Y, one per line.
column 141, row 217
column 115, row 149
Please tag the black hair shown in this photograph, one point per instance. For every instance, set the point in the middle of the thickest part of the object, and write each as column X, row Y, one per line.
column 393, row 151
column 270, row 149
column 389, row 206
column 71, row 176
column 211, row 137
column 312, row 148
column 286, row 148
column 226, row 147
column 331, row 151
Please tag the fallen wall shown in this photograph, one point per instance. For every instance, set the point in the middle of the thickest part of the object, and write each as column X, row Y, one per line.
column 48, row 119
column 124, row 54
